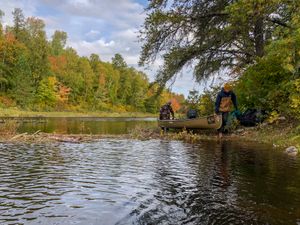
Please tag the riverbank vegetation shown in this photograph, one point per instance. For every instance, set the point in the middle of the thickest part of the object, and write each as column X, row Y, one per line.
column 253, row 44
column 42, row 74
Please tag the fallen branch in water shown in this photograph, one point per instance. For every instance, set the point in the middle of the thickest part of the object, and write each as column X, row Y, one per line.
column 37, row 132
column 18, row 136
column 66, row 139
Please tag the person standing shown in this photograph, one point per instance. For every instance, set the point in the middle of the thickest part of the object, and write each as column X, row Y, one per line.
column 166, row 111
column 225, row 99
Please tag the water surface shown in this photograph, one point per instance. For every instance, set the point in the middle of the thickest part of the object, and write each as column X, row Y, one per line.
column 148, row 182
column 83, row 125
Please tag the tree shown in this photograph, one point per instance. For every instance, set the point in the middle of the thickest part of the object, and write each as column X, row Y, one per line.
column 138, row 90
column 71, row 76
column 19, row 24
column 58, row 43
column 112, row 83
column 275, row 77
column 15, row 73
column 1, row 27
column 193, row 98
column 87, row 74
column 212, row 35
column 119, row 62
column 39, row 49
column 47, row 93
column 100, row 78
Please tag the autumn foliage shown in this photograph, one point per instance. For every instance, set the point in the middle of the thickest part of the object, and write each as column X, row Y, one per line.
column 41, row 74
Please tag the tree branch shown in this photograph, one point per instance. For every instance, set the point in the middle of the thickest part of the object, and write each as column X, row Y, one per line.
column 278, row 22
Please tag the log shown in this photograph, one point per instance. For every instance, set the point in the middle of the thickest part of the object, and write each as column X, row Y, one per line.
column 18, row 136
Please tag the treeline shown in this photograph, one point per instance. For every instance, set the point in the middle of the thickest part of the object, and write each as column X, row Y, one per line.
column 41, row 74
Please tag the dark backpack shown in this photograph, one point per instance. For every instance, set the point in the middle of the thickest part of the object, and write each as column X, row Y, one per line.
column 251, row 117
column 192, row 114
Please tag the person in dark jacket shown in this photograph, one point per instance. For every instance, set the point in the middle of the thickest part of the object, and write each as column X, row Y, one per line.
column 223, row 105
column 166, row 111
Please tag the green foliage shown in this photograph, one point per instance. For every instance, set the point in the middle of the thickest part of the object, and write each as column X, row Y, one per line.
column 193, row 99
column 295, row 98
column 207, row 104
column 59, row 40
column 273, row 82
column 118, row 62
column 41, row 74
column 47, row 96
column 203, row 103
column 38, row 48
column 19, row 24
column 212, row 35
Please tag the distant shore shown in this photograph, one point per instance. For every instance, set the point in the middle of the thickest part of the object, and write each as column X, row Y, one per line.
column 11, row 112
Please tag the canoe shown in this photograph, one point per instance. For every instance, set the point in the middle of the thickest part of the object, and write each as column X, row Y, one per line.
column 207, row 122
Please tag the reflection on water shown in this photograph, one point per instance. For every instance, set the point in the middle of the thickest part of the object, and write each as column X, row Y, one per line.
column 148, row 182
column 84, row 125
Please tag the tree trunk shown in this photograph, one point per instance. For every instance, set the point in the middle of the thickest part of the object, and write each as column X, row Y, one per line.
column 259, row 37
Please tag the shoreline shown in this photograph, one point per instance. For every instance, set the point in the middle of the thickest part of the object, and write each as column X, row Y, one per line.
column 276, row 135
column 281, row 133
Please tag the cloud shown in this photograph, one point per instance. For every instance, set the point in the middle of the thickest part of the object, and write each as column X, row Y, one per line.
column 116, row 13
column 92, row 33
column 106, row 50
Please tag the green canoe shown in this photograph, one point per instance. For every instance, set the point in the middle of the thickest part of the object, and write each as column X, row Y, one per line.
column 207, row 122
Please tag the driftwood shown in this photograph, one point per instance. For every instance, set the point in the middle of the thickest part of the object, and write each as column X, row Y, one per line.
column 18, row 136
column 35, row 133
column 66, row 139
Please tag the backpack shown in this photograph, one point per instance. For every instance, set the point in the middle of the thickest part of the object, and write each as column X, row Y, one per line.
column 251, row 117
column 192, row 114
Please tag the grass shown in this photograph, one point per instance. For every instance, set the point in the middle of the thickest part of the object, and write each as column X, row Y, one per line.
column 8, row 128
column 280, row 134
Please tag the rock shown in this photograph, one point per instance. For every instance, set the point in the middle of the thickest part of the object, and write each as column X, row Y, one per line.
column 292, row 150
column 282, row 118
column 264, row 124
column 240, row 130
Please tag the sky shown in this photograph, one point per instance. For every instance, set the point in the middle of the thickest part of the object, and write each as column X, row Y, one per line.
column 104, row 27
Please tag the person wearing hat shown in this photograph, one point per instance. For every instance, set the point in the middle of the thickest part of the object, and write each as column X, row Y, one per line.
column 165, row 111
column 223, row 105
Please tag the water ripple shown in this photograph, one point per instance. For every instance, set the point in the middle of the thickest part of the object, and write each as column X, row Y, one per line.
column 147, row 182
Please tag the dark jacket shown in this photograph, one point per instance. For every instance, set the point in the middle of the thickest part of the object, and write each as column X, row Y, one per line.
column 224, row 101
column 165, row 112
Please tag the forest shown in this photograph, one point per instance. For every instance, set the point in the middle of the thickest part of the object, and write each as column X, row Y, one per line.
column 38, row 73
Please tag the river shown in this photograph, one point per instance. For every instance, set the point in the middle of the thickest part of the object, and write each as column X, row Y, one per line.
column 121, row 181
column 82, row 125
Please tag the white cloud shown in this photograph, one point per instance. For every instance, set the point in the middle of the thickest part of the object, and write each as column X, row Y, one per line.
column 118, row 13
column 92, row 33
column 101, row 47
column 106, row 50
